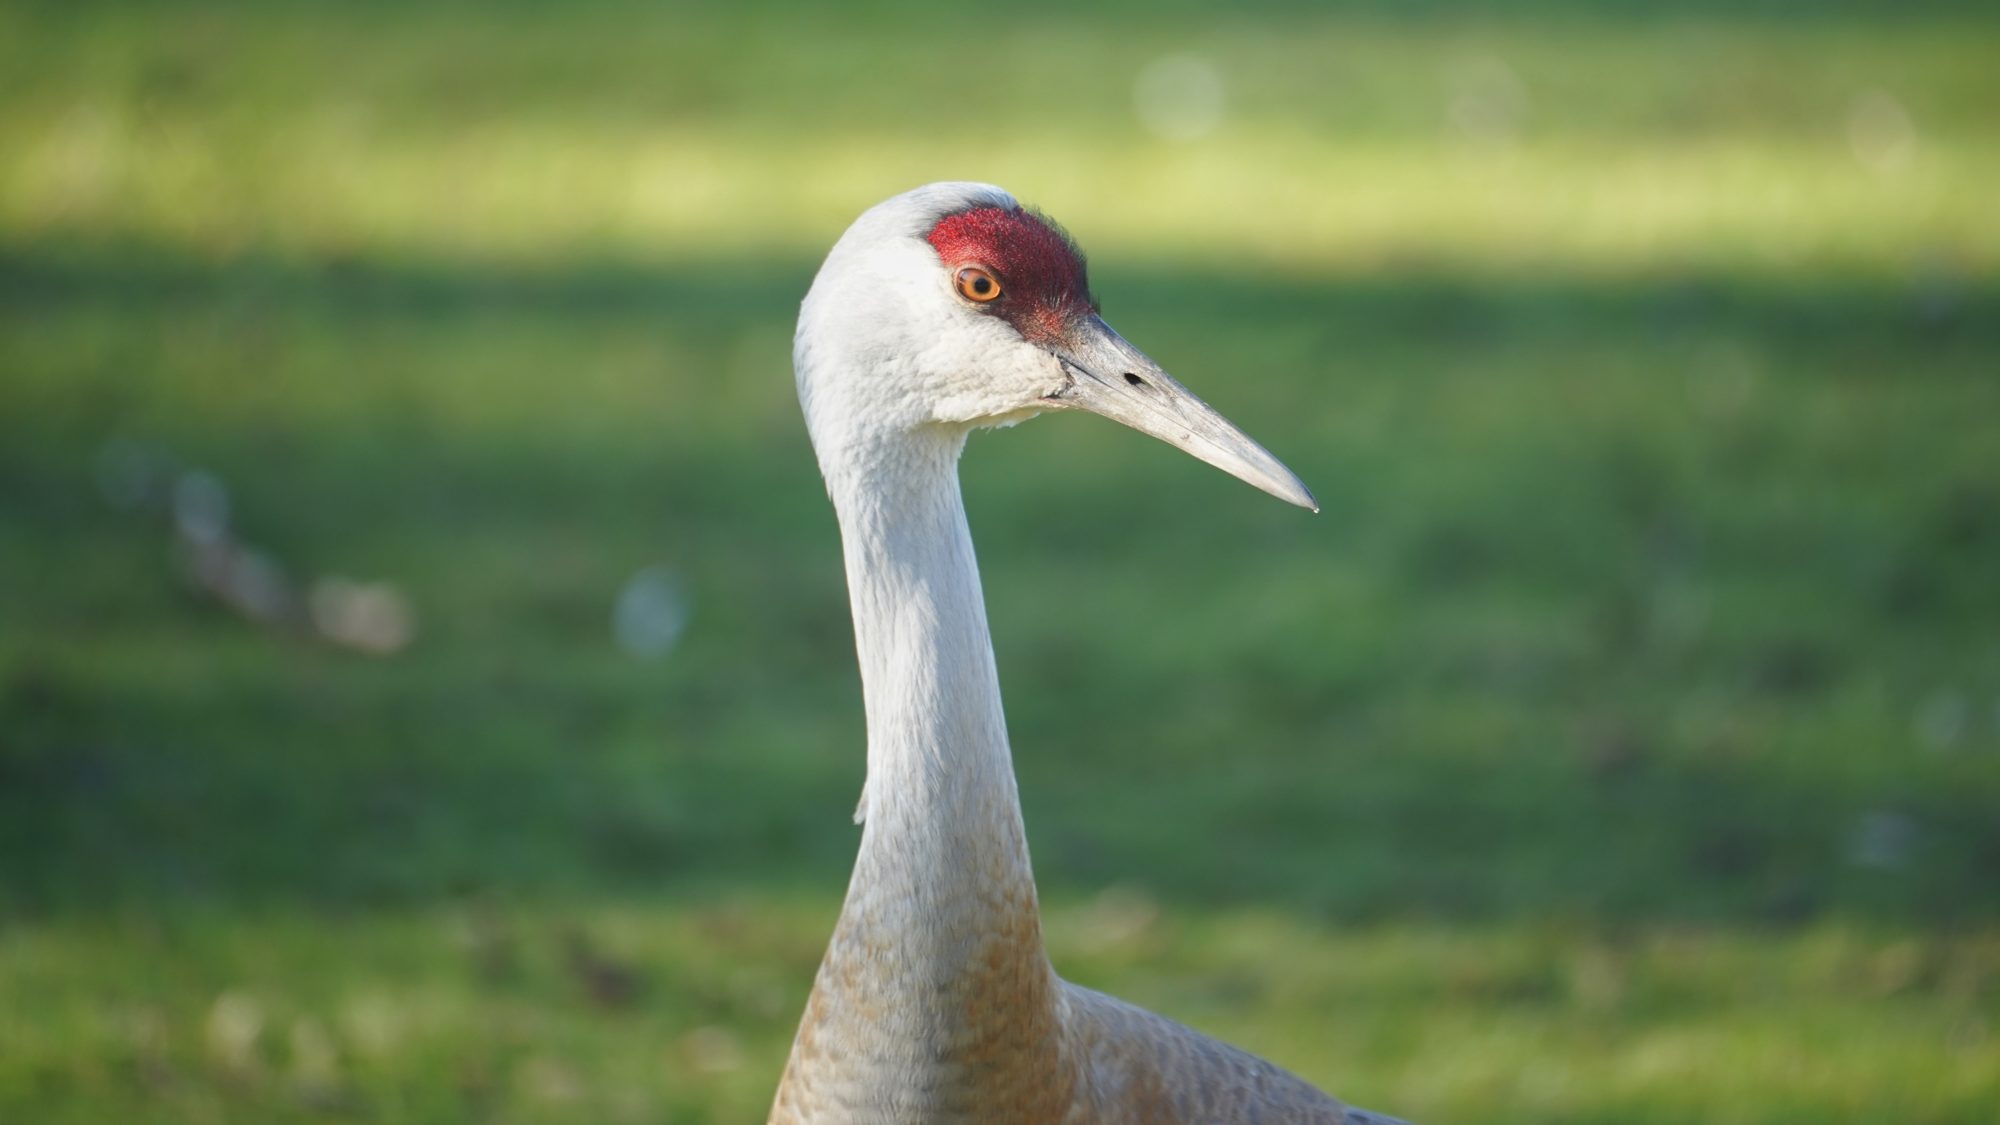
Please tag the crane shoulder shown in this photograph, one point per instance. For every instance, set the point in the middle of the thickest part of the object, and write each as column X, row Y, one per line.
column 1137, row 1067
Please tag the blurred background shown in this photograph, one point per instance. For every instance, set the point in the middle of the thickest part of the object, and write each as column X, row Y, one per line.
column 426, row 689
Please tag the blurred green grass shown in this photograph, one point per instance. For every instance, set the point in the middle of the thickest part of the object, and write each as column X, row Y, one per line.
column 1622, row 743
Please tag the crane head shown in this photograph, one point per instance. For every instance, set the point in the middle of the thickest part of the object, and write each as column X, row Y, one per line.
column 952, row 305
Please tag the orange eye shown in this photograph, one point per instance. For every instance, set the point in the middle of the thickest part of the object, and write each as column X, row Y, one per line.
column 978, row 284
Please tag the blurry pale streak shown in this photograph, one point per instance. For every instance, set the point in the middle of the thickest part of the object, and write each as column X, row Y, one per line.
column 1179, row 97
column 651, row 612
column 240, row 576
column 1880, row 132
column 373, row 617
column 370, row 617
column 1488, row 101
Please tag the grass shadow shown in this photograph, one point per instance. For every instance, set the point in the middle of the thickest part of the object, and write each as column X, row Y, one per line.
column 1633, row 600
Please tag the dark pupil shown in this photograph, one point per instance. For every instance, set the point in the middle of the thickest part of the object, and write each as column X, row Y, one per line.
column 981, row 285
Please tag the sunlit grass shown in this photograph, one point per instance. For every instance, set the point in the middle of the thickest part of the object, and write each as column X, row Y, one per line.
column 1266, row 197
column 1344, row 144
column 1614, row 747
column 683, row 1011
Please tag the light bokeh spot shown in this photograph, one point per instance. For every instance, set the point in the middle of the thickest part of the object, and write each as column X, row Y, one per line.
column 1179, row 97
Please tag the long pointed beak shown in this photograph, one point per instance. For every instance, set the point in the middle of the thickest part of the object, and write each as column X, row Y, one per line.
column 1108, row 376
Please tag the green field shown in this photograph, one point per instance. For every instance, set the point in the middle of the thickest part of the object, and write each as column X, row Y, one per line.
column 1621, row 744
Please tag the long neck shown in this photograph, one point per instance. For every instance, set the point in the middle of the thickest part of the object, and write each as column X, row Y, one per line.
column 939, row 770
column 937, row 966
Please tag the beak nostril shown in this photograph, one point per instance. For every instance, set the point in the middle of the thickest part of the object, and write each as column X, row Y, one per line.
column 1134, row 379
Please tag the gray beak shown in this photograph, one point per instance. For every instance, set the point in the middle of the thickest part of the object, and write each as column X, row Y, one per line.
column 1108, row 376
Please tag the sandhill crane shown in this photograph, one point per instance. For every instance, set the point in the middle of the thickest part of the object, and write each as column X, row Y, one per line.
column 944, row 309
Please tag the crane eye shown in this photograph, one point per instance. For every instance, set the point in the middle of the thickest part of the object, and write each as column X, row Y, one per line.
column 978, row 284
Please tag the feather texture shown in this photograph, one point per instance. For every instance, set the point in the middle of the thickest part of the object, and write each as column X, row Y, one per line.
column 936, row 1002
